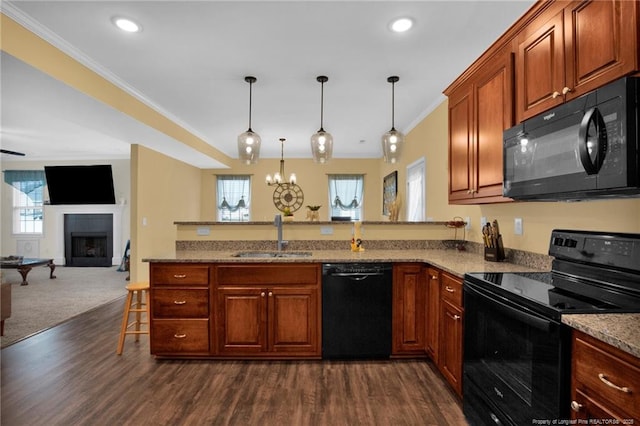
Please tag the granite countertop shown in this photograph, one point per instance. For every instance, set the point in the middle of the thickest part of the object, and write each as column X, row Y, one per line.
column 453, row 261
column 618, row 330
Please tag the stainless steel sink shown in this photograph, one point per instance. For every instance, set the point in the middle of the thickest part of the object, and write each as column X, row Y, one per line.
column 272, row 254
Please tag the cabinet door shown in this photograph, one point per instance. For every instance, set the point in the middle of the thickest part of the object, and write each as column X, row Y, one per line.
column 460, row 144
column 450, row 356
column 600, row 43
column 433, row 312
column 242, row 316
column 293, row 320
column 540, row 65
column 409, row 297
column 494, row 106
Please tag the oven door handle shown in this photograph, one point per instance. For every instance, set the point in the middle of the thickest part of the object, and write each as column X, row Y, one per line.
column 519, row 313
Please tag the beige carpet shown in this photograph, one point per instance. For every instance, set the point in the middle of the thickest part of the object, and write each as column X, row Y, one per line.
column 45, row 303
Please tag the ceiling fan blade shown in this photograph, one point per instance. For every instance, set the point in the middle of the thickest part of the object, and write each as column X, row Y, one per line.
column 5, row 151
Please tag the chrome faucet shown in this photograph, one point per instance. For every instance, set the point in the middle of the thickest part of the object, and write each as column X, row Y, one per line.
column 278, row 223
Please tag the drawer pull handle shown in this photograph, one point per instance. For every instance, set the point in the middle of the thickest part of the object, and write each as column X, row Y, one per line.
column 179, row 302
column 179, row 336
column 449, row 289
column 180, row 276
column 604, row 380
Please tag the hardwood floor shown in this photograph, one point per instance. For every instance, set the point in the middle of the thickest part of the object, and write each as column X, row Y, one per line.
column 70, row 375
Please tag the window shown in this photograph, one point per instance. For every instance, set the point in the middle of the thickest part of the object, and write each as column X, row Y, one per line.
column 28, row 190
column 415, row 191
column 345, row 196
column 233, row 198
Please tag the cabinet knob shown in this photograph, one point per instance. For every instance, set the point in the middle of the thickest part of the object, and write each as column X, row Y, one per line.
column 262, row 294
column 555, row 95
column 179, row 302
column 270, row 293
column 434, row 277
column 456, row 317
column 565, row 90
column 575, row 406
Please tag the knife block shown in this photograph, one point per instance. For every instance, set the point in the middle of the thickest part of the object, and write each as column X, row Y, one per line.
column 495, row 254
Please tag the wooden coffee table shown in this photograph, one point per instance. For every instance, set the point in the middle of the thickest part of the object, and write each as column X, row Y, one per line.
column 24, row 265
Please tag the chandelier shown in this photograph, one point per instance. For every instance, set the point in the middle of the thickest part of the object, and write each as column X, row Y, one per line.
column 278, row 176
column 321, row 141
column 249, row 141
column 392, row 140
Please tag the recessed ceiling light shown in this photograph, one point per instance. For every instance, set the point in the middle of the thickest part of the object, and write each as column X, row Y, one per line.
column 401, row 25
column 126, row 24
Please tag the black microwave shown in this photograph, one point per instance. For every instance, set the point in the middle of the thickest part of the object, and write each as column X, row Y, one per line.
column 583, row 149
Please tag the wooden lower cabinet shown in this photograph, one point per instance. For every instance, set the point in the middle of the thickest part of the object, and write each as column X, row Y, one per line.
column 275, row 313
column 450, row 330
column 179, row 306
column 604, row 382
column 408, row 310
column 433, row 313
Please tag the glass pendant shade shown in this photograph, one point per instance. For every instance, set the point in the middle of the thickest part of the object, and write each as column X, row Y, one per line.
column 249, row 141
column 321, row 146
column 321, row 141
column 249, row 147
column 393, row 140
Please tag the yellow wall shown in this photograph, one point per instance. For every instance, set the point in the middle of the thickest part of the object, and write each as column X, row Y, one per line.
column 163, row 190
column 311, row 177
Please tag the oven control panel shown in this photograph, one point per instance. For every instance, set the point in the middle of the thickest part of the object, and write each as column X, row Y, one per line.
column 608, row 249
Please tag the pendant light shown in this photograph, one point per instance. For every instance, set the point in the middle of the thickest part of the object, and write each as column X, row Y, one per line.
column 321, row 141
column 249, row 141
column 392, row 140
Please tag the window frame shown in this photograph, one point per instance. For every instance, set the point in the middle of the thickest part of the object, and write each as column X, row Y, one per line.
column 233, row 201
column 338, row 211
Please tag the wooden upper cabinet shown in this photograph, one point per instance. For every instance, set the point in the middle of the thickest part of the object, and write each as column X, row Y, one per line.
column 540, row 67
column 479, row 111
column 573, row 48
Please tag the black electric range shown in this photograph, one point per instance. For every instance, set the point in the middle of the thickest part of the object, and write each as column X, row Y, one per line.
column 591, row 273
column 517, row 351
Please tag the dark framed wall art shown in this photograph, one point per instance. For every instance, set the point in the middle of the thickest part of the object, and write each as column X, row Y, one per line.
column 389, row 191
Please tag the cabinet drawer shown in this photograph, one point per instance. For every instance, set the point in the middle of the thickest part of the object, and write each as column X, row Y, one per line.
column 180, row 274
column 267, row 274
column 451, row 289
column 606, row 374
column 178, row 303
column 188, row 336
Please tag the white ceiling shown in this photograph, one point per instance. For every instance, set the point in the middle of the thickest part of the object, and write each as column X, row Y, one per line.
column 190, row 60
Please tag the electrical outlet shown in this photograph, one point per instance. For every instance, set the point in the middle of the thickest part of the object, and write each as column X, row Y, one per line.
column 326, row 230
column 517, row 226
column 483, row 221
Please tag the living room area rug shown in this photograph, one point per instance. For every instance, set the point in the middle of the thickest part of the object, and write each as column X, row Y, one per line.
column 46, row 302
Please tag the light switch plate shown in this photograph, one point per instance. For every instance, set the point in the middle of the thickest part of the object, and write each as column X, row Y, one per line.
column 483, row 221
column 203, row 230
column 517, row 226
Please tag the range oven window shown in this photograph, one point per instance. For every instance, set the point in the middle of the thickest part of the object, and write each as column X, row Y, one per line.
column 513, row 358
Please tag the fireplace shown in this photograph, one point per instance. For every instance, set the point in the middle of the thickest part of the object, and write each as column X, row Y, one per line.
column 88, row 239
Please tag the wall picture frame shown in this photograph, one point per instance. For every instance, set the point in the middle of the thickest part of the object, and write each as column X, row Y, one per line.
column 389, row 191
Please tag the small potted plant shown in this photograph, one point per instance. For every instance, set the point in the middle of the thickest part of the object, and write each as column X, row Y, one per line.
column 312, row 213
column 288, row 215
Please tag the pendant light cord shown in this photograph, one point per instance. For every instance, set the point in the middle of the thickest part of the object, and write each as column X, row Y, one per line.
column 321, row 106
column 250, row 92
column 393, row 105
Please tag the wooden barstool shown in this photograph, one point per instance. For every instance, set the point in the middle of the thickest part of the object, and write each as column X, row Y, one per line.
column 138, row 306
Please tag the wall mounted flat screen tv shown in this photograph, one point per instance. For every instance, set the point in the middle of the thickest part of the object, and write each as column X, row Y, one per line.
column 80, row 184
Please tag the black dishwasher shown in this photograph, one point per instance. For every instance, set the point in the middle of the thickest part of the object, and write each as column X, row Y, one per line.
column 356, row 310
